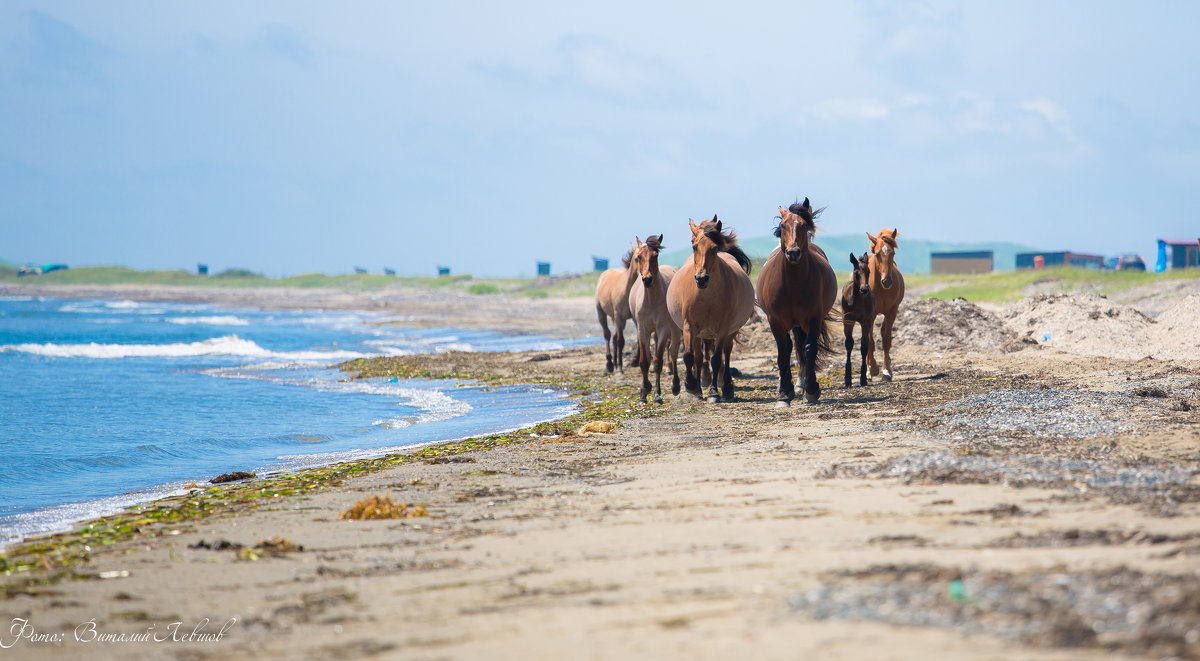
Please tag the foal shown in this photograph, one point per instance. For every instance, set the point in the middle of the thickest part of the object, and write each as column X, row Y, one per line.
column 858, row 307
column 648, row 302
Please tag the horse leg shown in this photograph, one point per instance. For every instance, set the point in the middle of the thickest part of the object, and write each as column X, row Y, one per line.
column 848, row 327
column 702, row 360
column 798, row 342
column 727, row 382
column 812, row 389
column 783, row 348
column 658, row 362
column 868, row 337
column 691, row 376
column 644, row 364
column 871, row 348
column 713, row 396
column 608, row 359
column 619, row 345
column 635, row 353
column 673, row 351
column 886, row 332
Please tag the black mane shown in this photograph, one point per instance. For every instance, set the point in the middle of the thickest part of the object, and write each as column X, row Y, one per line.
column 654, row 242
column 727, row 242
column 806, row 212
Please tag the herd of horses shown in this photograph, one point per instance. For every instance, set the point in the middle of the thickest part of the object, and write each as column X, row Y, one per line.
column 703, row 304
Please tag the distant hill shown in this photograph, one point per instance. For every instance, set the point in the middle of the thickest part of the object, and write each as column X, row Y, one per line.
column 912, row 256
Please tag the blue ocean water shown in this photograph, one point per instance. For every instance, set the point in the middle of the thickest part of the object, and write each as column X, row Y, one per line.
column 106, row 403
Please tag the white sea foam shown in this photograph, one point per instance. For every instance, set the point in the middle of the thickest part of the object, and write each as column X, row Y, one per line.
column 217, row 320
column 228, row 345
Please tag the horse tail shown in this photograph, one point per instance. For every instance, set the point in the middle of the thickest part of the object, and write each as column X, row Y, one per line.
column 825, row 340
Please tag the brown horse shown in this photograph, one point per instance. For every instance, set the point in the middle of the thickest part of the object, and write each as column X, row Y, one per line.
column 612, row 302
column 858, row 306
column 710, row 299
column 887, row 286
column 796, row 289
column 648, row 302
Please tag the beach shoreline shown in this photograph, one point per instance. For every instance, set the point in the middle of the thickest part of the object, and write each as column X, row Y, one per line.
column 697, row 530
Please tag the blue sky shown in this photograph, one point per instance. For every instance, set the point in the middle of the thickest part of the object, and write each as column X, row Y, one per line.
column 297, row 137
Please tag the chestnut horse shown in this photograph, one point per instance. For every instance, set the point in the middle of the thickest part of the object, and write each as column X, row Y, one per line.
column 648, row 302
column 710, row 299
column 612, row 302
column 887, row 286
column 858, row 307
column 797, row 288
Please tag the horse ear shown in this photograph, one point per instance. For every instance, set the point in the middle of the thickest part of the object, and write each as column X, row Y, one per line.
column 895, row 232
column 638, row 240
column 872, row 238
column 806, row 205
column 783, row 213
column 714, row 218
column 692, row 224
column 718, row 223
column 853, row 260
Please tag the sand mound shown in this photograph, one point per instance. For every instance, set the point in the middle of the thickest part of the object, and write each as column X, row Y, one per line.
column 948, row 325
column 1092, row 325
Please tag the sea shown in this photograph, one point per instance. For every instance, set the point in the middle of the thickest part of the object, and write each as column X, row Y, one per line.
column 105, row 404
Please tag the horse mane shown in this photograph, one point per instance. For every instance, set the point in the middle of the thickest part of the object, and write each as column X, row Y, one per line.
column 890, row 240
column 806, row 213
column 727, row 242
column 654, row 242
column 627, row 258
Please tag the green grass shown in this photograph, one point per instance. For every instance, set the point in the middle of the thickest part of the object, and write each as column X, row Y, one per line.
column 1007, row 286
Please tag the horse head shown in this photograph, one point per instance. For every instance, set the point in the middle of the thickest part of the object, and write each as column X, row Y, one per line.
column 883, row 247
column 861, row 273
column 796, row 227
column 704, row 251
column 647, row 256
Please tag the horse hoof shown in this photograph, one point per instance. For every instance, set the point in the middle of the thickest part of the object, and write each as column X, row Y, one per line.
column 713, row 399
column 783, row 404
column 849, row 383
column 874, row 371
column 887, row 377
column 658, row 400
column 812, row 398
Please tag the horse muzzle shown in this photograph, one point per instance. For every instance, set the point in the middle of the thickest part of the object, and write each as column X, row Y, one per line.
column 701, row 280
column 648, row 281
column 793, row 255
column 887, row 283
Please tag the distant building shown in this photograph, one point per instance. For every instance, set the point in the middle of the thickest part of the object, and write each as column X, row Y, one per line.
column 972, row 262
column 599, row 263
column 1028, row 260
column 360, row 270
column 387, row 271
column 543, row 268
column 443, row 270
column 202, row 269
column 1177, row 254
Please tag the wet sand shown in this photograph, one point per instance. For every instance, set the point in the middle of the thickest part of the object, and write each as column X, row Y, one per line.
column 1020, row 501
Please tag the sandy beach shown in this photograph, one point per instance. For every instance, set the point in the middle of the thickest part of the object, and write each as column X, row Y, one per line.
column 1027, row 487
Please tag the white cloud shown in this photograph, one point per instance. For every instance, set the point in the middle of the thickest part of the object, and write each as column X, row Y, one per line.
column 837, row 109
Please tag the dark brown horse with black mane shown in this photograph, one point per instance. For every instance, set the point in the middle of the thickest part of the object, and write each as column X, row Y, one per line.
column 858, row 307
column 711, row 298
column 796, row 289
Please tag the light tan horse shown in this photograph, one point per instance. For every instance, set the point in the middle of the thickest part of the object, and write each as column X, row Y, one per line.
column 710, row 299
column 612, row 303
column 797, row 289
column 648, row 302
column 887, row 286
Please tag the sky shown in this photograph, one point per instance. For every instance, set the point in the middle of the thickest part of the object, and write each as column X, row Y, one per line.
column 298, row 137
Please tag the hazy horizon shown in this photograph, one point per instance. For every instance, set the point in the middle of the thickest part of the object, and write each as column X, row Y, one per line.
column 300, row 137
